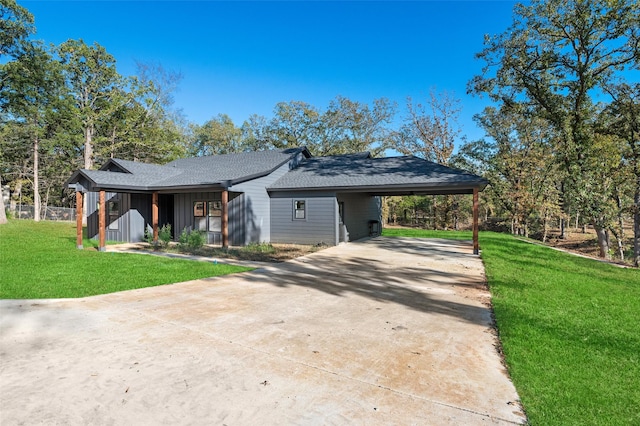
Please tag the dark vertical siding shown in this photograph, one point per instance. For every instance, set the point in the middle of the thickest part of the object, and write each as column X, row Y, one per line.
column 120, row 234
column 320, row 225
column 183, row 211
column 139, row 216
column 236, row 219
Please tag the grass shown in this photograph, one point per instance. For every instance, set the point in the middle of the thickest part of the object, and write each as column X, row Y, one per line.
column 569, row 331
column 40, row 260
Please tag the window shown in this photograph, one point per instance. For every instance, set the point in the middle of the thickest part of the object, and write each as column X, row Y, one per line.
column 113, row 213
column 215, row 216
column 199, row 218
column 299, row 209
column 207, row 216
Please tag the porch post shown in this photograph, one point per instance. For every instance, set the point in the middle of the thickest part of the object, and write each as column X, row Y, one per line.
column 102, row 223
column 476, row 246
column 225, row 218
column 79, row 214
column 154, row 215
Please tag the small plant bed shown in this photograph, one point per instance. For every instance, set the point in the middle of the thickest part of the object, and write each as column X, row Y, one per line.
column 253, row 252
column 193, row 243
column 40, row 260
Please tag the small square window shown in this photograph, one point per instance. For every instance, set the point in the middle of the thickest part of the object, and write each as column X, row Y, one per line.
column 215, row 208
column 299, row 209
column 198, row 209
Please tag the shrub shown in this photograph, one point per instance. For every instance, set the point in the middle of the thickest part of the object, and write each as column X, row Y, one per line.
column 164, row 235
column 191, row 241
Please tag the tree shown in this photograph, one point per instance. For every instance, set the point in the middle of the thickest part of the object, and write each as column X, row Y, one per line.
column 345, row 127
column 624, row 114
column 431, row 129
column 555, row 56
column 217, row 136
column 517, row 159
column 16, row 24
column 92, row 80
column 349, row 126
column 32, row 88
column 3, row 212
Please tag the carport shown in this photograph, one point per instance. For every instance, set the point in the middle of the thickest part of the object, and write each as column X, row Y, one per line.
column 360, row 174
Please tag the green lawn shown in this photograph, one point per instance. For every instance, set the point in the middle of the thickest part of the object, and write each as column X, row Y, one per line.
column 570, row 330
column 40, row 260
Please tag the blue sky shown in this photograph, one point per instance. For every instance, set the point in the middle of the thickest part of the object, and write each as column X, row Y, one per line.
column 241, row 58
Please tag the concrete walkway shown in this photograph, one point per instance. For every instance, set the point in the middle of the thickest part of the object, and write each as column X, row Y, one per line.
column 387, row 331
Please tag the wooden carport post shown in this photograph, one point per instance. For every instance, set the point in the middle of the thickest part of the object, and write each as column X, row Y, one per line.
column 225, row 218
column 476, row 245
column 102, row 223
column 79, row 220
column 154, row 215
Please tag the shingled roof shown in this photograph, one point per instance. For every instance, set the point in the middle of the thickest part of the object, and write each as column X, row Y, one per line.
column 390, row 175
column 212, row 171
column 351, row 172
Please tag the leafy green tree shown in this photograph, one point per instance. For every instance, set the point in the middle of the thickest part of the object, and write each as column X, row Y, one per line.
column 346, row 126
column 217, row 136
column 517, row 159
column 93, row 80
column 555, row 56
column 16, row 25
column 623, row 120
column 143, row 126
column 349, row 126
column 33, row 85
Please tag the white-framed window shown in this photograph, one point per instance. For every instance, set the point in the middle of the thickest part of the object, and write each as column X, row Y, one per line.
column 299, row 209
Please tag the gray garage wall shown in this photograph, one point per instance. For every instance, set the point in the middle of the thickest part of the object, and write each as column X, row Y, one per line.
column 319, row 226
column 257, row 205
column 359, row 209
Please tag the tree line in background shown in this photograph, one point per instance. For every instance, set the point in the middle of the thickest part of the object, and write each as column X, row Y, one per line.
column 561, row 139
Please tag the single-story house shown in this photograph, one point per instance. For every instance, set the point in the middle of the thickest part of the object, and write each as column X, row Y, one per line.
column 278, row 196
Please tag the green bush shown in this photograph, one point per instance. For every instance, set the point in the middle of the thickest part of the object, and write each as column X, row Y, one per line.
column 164, row 235
column 191, row 241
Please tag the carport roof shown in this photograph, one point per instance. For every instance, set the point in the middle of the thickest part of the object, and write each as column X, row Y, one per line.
column 382, row 176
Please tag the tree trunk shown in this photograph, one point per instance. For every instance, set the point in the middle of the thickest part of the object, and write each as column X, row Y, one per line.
column 435, row 214
column 619, row 240
column 16, row 195
column 562, row 229
column 603, row 240
column 3, row 213
column 36, row 181
column 636, row 226
column 88, row 147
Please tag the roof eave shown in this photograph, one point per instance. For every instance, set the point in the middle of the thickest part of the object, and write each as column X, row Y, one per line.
column 400, row 189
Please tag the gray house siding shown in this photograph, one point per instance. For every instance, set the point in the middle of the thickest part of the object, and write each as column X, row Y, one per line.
column 319, row 225
column 139, row 216
column 359, row 209
column 257, row 204
column 236, row 219
column 117, row 230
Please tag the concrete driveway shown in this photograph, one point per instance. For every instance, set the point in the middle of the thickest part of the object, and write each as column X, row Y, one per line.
column 386, row 331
